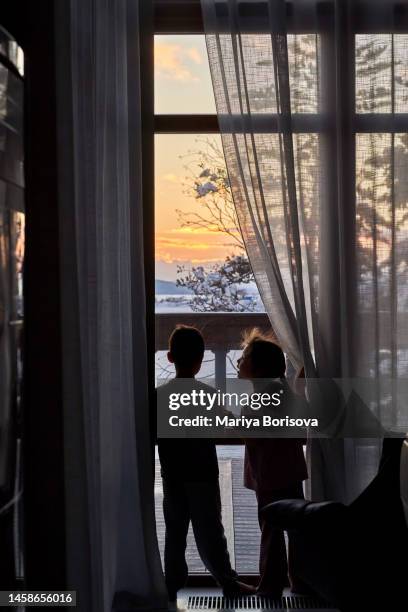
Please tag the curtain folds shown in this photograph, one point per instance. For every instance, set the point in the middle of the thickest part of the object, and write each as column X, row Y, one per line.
column 112, row 553
column 311, row 101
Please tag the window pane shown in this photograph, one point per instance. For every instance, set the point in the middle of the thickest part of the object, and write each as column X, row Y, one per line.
column 382, row 222
column 256, row 53
column 201, row 264
column 381, row 73
column 401, row 72
column 182, row 77
column 382, row 256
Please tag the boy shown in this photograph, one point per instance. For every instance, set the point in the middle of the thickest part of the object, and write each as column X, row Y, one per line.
column 191, row 490
column 274, row 468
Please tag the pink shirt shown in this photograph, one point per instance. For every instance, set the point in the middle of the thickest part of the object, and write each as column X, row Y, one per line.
column 273, row 463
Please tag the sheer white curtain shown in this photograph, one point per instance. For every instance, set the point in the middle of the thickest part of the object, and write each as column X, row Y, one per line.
column 311, row 102
column 112, row 553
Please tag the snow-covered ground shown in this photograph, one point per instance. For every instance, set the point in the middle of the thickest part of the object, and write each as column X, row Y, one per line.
column 176, row 302
column 172, row 303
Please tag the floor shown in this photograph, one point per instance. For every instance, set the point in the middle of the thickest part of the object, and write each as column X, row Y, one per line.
column 239, row 515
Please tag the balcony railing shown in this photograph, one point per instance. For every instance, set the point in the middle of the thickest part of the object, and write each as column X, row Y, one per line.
column 222, row 333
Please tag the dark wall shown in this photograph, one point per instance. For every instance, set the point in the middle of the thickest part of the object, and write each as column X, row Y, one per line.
column 13, row 18
column 32, row 25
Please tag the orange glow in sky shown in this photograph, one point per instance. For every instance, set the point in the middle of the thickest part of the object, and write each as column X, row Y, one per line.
column 182, row 85
column 175, row 244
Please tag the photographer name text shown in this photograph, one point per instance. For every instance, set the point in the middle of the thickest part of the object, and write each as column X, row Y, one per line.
column 243, row 422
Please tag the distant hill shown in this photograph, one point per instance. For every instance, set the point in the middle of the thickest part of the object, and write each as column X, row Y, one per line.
column 164, row 287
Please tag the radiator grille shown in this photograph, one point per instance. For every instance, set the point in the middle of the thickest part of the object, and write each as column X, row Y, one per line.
column 264, row 604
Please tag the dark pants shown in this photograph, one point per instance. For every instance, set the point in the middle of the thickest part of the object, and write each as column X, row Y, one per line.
column 274, row 566
column 200, row 503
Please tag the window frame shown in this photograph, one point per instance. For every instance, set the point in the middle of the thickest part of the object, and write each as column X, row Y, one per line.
column 185, row 17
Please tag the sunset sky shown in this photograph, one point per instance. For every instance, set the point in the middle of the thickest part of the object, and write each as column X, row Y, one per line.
column 182, row 85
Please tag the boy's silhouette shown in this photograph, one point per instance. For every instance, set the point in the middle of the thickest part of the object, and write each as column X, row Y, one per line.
column 191, row 491
column 274, row 467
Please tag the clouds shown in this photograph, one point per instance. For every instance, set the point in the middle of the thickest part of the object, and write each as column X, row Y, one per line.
column 175, row 62
column 194, row 54
column 188, row 229
column 181, row 243
column 172, row 178
column 168, row 259
column 190, row 245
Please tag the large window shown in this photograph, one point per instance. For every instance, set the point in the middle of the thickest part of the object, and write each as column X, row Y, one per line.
column 192, row 244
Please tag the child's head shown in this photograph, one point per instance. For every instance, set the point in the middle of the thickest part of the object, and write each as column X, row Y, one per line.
column 261, row 357
column 186, row 350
